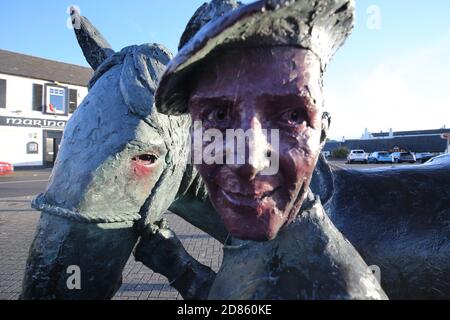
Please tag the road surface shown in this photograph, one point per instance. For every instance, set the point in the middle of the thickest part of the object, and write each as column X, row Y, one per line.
column 24, row 183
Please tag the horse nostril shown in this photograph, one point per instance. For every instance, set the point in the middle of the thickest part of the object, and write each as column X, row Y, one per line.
column 146, row 159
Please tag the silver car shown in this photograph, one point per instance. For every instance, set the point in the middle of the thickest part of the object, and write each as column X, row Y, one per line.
column 357, row 156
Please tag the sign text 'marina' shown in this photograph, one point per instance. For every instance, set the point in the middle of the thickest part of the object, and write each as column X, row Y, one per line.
column 32, row 122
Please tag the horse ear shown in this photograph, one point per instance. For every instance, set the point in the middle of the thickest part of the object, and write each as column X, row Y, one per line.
column 94, row 46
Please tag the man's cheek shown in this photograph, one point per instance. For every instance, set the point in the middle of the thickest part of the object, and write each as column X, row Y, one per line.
column 298, row 163
column 208, row 172
column 307, row 155
column 308, row 145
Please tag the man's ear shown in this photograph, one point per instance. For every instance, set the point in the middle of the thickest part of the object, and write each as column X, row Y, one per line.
column 326, row 122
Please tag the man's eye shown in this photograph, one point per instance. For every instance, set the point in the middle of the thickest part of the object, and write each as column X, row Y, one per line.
column 218, row 115
column 294, row 117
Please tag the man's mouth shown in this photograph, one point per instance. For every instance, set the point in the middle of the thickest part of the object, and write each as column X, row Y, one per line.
column 250, row 200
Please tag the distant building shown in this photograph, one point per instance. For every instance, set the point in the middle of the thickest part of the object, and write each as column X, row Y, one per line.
column 330, row 146
column 37, row 98
column 415, row 141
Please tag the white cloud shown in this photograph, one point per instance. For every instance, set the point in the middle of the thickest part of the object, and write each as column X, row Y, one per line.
column 407, row 91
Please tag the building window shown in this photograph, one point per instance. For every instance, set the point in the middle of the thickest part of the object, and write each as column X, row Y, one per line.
column 56, row 100
column 32, row 148
column 37, row 97
column 2, row 93
column 73, row 100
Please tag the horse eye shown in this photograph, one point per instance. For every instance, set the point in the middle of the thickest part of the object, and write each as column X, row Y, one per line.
column 146, row 159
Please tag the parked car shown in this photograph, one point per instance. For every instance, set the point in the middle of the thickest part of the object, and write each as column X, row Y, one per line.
column 6, row 168
column 381, row 157
column 424, row 156
column 401, row 157
column 357, row 156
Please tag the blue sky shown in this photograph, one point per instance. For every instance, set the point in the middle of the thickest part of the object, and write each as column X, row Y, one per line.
column 393, row 72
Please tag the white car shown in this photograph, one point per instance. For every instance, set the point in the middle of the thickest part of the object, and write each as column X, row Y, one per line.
column 357, row 156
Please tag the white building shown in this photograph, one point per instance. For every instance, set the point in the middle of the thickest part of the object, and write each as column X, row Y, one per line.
column 37, row 97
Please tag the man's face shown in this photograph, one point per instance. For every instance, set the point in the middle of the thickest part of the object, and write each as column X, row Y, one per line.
column 270, row 88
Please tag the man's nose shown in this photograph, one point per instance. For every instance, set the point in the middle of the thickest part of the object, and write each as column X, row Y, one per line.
column 256, row 150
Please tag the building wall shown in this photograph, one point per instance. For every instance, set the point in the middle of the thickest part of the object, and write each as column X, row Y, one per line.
column 415, row 143
column 13, row 142
column 19, row 102
column 19, row 95
column 426, row 143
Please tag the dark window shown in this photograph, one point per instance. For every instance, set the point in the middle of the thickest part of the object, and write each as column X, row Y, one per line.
column 37, row 97
column 2, row 93
column 32, row 148
column 73, row 100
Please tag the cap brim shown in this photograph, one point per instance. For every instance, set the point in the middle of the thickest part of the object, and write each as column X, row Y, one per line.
column 317, row 25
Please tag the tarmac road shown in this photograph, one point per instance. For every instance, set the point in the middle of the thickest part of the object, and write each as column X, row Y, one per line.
column 24, row 183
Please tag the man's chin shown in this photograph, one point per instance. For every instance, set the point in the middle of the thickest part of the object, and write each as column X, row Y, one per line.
column 250, row 219
column 253, row 229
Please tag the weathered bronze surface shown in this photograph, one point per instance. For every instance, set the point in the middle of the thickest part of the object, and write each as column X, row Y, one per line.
column 122, row 164
column 261, row 67
column 398, row 219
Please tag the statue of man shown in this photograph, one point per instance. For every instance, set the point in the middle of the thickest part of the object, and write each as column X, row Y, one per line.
column 259, row 68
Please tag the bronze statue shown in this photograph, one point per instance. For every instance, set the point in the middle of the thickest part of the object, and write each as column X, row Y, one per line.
column 94, row 228
column 397, row 218
column 261, row 67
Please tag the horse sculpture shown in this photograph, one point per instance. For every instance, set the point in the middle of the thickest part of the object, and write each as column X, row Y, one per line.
column 120, row 167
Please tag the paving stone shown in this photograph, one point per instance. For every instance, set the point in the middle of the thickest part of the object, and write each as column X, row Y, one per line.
column 17, row 227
